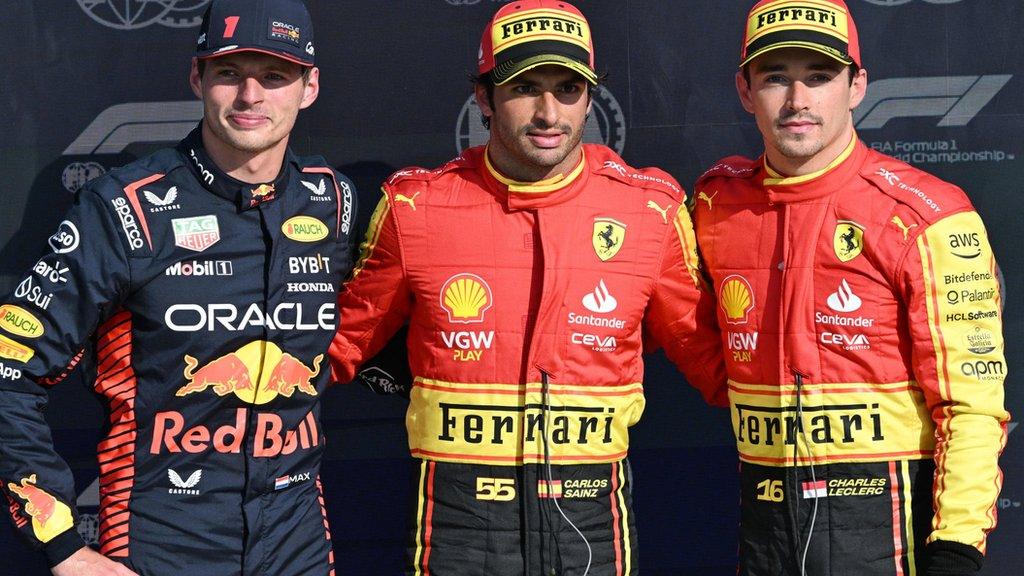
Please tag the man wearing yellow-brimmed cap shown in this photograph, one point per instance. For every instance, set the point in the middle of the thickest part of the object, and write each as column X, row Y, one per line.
column 859, row 298
column 528, row 270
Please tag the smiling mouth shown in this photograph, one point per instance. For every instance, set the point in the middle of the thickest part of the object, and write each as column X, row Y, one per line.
column 248, row 120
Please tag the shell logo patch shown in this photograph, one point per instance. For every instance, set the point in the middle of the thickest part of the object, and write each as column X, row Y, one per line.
column 465, row 297
column 736, row 298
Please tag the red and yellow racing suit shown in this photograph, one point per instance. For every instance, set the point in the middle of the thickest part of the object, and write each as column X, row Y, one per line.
column 527, row 305
column 861, row 320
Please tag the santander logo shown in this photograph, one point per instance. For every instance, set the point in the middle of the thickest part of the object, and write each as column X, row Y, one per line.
column 600, row 300
column 844, row 300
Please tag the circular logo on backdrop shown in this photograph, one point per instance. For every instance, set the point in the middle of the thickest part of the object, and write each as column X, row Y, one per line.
column 135, row 14
column 76, row 174
column 606, row 124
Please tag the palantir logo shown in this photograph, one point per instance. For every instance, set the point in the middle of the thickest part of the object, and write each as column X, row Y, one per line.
column 957, row 99
column 135, row 14
column 606, row 124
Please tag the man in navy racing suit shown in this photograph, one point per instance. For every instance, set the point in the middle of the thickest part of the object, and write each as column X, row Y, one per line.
column 206, row 277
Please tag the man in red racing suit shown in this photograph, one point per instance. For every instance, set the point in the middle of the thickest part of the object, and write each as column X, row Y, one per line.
column 527, row 302
column 861, row 317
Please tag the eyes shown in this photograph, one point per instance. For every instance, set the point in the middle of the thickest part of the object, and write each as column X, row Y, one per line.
column 269, row 77
column 565, row 88
column 812, row 79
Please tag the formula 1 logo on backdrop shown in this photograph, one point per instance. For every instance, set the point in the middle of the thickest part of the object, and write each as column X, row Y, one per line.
column 122, row 125
column 606, row 124
column 956, row 99
column 135, row 14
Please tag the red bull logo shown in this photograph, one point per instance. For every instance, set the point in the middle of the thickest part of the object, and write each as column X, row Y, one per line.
column 261, row 193
column 256, row 373
column 171, row 433
column 49, row 517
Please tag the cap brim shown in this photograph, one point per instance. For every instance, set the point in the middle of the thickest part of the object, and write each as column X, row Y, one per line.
column 281, row 55
column 511, row 70
column 835, row 54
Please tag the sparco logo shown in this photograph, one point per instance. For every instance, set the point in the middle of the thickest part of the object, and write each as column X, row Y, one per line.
column 135, row 14
column 957, row 99
column 606, row 125
column 131, row 229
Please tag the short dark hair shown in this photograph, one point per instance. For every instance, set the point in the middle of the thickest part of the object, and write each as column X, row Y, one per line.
column 487, row 82
column 853, row 69
column 306, row 70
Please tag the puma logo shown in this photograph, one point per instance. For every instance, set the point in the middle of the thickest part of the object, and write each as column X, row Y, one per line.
column 663, row 211
column 706, row 198
column 411, row 201
column 899, row 223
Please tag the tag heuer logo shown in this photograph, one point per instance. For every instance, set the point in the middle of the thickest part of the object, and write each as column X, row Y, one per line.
column 196, row 234
column 608, row 237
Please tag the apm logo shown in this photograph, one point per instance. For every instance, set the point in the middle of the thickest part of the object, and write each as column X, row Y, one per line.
column 957, row 99
column 135, row 14
column 606, row 124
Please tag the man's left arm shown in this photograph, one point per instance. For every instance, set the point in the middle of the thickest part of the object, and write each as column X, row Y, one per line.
column 951, row 287
column 681, row 315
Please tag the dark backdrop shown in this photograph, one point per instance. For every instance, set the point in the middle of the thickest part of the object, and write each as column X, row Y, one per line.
column 93, row 84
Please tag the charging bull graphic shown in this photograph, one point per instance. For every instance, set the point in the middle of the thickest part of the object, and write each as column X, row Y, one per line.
column 257, row 372
column 49, row 517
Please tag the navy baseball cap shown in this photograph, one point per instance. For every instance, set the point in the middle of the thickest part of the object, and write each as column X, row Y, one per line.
column 281, row 28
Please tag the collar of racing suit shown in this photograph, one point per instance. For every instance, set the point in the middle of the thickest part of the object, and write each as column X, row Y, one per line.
column 783, row 190
column 531, row 195
column 244, row 194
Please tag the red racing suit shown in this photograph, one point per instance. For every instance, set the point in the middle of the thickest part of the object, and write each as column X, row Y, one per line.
column 861, row 318
column 526, row 306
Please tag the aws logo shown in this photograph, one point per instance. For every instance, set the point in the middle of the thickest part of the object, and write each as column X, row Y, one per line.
column 466, row 297
column 966, row 246
column 736, row 298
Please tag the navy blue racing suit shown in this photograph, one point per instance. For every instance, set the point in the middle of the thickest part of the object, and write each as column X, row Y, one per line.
column 210, row 304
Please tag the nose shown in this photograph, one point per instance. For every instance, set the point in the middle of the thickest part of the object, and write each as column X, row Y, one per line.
column 547, row 109
column 799, row 96
column 250, row 91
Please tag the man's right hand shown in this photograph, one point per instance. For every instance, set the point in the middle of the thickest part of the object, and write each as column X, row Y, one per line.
column 88, row 562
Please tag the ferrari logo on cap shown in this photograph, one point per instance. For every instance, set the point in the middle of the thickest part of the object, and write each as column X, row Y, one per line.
column 608, row 237
column 848, row 241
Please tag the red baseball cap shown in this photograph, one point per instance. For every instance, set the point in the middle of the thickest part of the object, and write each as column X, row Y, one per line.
column 529, row 33
column 825, row 26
